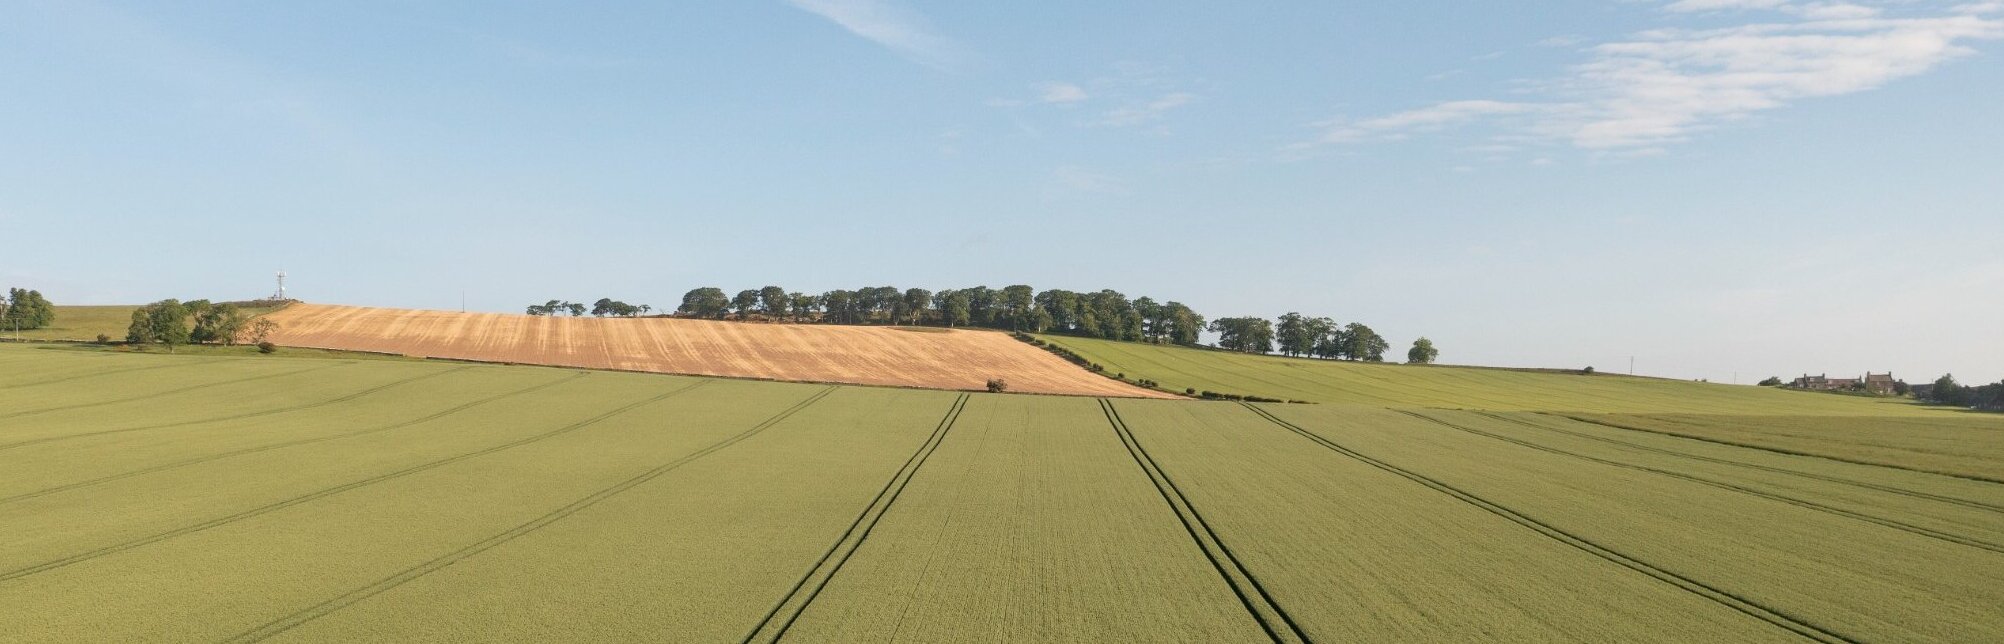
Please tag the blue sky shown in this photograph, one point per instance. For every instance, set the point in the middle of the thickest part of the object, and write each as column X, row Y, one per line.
column 1715, row 187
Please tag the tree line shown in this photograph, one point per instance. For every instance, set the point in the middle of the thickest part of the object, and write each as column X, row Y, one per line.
column 25, row 309
column 603, row 307
column 1103, row 314
column 171, row 322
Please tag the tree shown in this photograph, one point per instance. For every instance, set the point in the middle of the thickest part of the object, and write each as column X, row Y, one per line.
column 1335, row 344
column 839, row 307
column 26, row 309
column 916, row 302
column 1017, row 302
column 1298, row 334
column 1184, row 324
column 163, row 322
column 1771, row 381
column 1364, row 344
column 705, row 302
column 745, row 303
column 1247, row 334
column 602, row 307
column 1900, row 387
column 1422, row 352
column 258, row 332
column 953, row 307
column 574, row 308
column 217, row 323
column 1946, row 391
column 1063, row 307
column 775, row 301
column 801, row 305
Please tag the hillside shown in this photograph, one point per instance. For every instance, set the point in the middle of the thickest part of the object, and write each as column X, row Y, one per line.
column 1397, row 385
column 927, row 357
column 244, row 497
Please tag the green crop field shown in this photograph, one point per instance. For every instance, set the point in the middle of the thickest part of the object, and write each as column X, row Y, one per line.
column 315, row 496
column 1397, row 385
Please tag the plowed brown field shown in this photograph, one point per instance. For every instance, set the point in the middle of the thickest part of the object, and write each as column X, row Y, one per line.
column 932, row 358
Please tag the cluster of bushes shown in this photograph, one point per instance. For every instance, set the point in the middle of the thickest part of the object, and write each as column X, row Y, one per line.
column 1213, row 395
column 25, row 309
column 1947, row 391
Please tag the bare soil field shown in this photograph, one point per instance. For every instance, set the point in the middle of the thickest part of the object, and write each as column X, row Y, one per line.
column 955, row 359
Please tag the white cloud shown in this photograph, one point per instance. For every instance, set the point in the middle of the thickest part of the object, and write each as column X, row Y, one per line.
column 1061, row 93
column 895, row 29
column 1146, row 112
column 1659, row 87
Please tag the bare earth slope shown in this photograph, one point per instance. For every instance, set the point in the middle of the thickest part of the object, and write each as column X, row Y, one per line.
column 933, row 358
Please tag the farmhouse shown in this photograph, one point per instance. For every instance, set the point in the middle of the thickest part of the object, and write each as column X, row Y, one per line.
column 1878, row 383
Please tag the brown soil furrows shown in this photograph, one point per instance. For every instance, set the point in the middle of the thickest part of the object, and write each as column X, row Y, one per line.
column 957, row 359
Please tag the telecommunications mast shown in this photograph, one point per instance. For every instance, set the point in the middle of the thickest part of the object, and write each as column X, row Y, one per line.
column 280, row 295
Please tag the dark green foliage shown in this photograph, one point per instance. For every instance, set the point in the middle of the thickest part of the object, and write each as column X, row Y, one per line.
column 607, row 306
column 705, row 302
column 1424, row 353
column 1247, row 334
column 26, row 309
column 163, row 322
column 774, row 301
column 216, row 323
column 997, row 385
column 266, row 347
column 1775, row 381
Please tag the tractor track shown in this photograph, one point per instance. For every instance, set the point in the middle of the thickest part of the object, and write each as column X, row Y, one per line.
column 1979, row 505
column 1801, row 503
column 1279, row 626
column 1782, row 450
column 255, row 414
column 325, row 608
column 773, row 626
column 327, row 492
column 164, row 394
column 293, row 443
column 1746, row 606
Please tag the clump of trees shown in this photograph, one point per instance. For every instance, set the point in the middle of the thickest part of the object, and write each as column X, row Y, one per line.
column 1947, row 391
column 603, row 307
column 1771, row 381
column 172, row 322
column 26, row 309
column 1298, row 335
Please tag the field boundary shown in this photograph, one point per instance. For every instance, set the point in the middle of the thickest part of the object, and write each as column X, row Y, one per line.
column 1979, row 505
column 1749, row 607
column 846, row 547
column 1780, row 450
column 268, row 412
column 325, row 608
column 1279, row 626
column 293, row 443
column 1730, row 487
column 327, row 492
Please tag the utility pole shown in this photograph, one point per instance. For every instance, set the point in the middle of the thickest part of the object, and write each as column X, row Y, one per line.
column 1631, row 365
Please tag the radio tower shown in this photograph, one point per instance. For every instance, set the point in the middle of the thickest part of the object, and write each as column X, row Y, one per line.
column 280, row 295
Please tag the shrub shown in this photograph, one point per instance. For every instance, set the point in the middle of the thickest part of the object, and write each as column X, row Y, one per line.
column 1189, row 391
column 997, row 385
column 266, row 347
column 103, row 339
column 1587, row 371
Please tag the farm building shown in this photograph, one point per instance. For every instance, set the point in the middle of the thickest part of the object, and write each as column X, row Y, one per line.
column 1879, row 383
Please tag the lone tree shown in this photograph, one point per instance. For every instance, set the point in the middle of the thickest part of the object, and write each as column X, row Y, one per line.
column 258, row 332
column 163, row 322
column 1422, row 352
column 26, row 309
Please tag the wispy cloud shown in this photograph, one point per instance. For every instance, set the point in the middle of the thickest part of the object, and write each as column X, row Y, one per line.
column 895, row 29
column 1659, row 87
column 1146, row 112
column 1061, row 93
